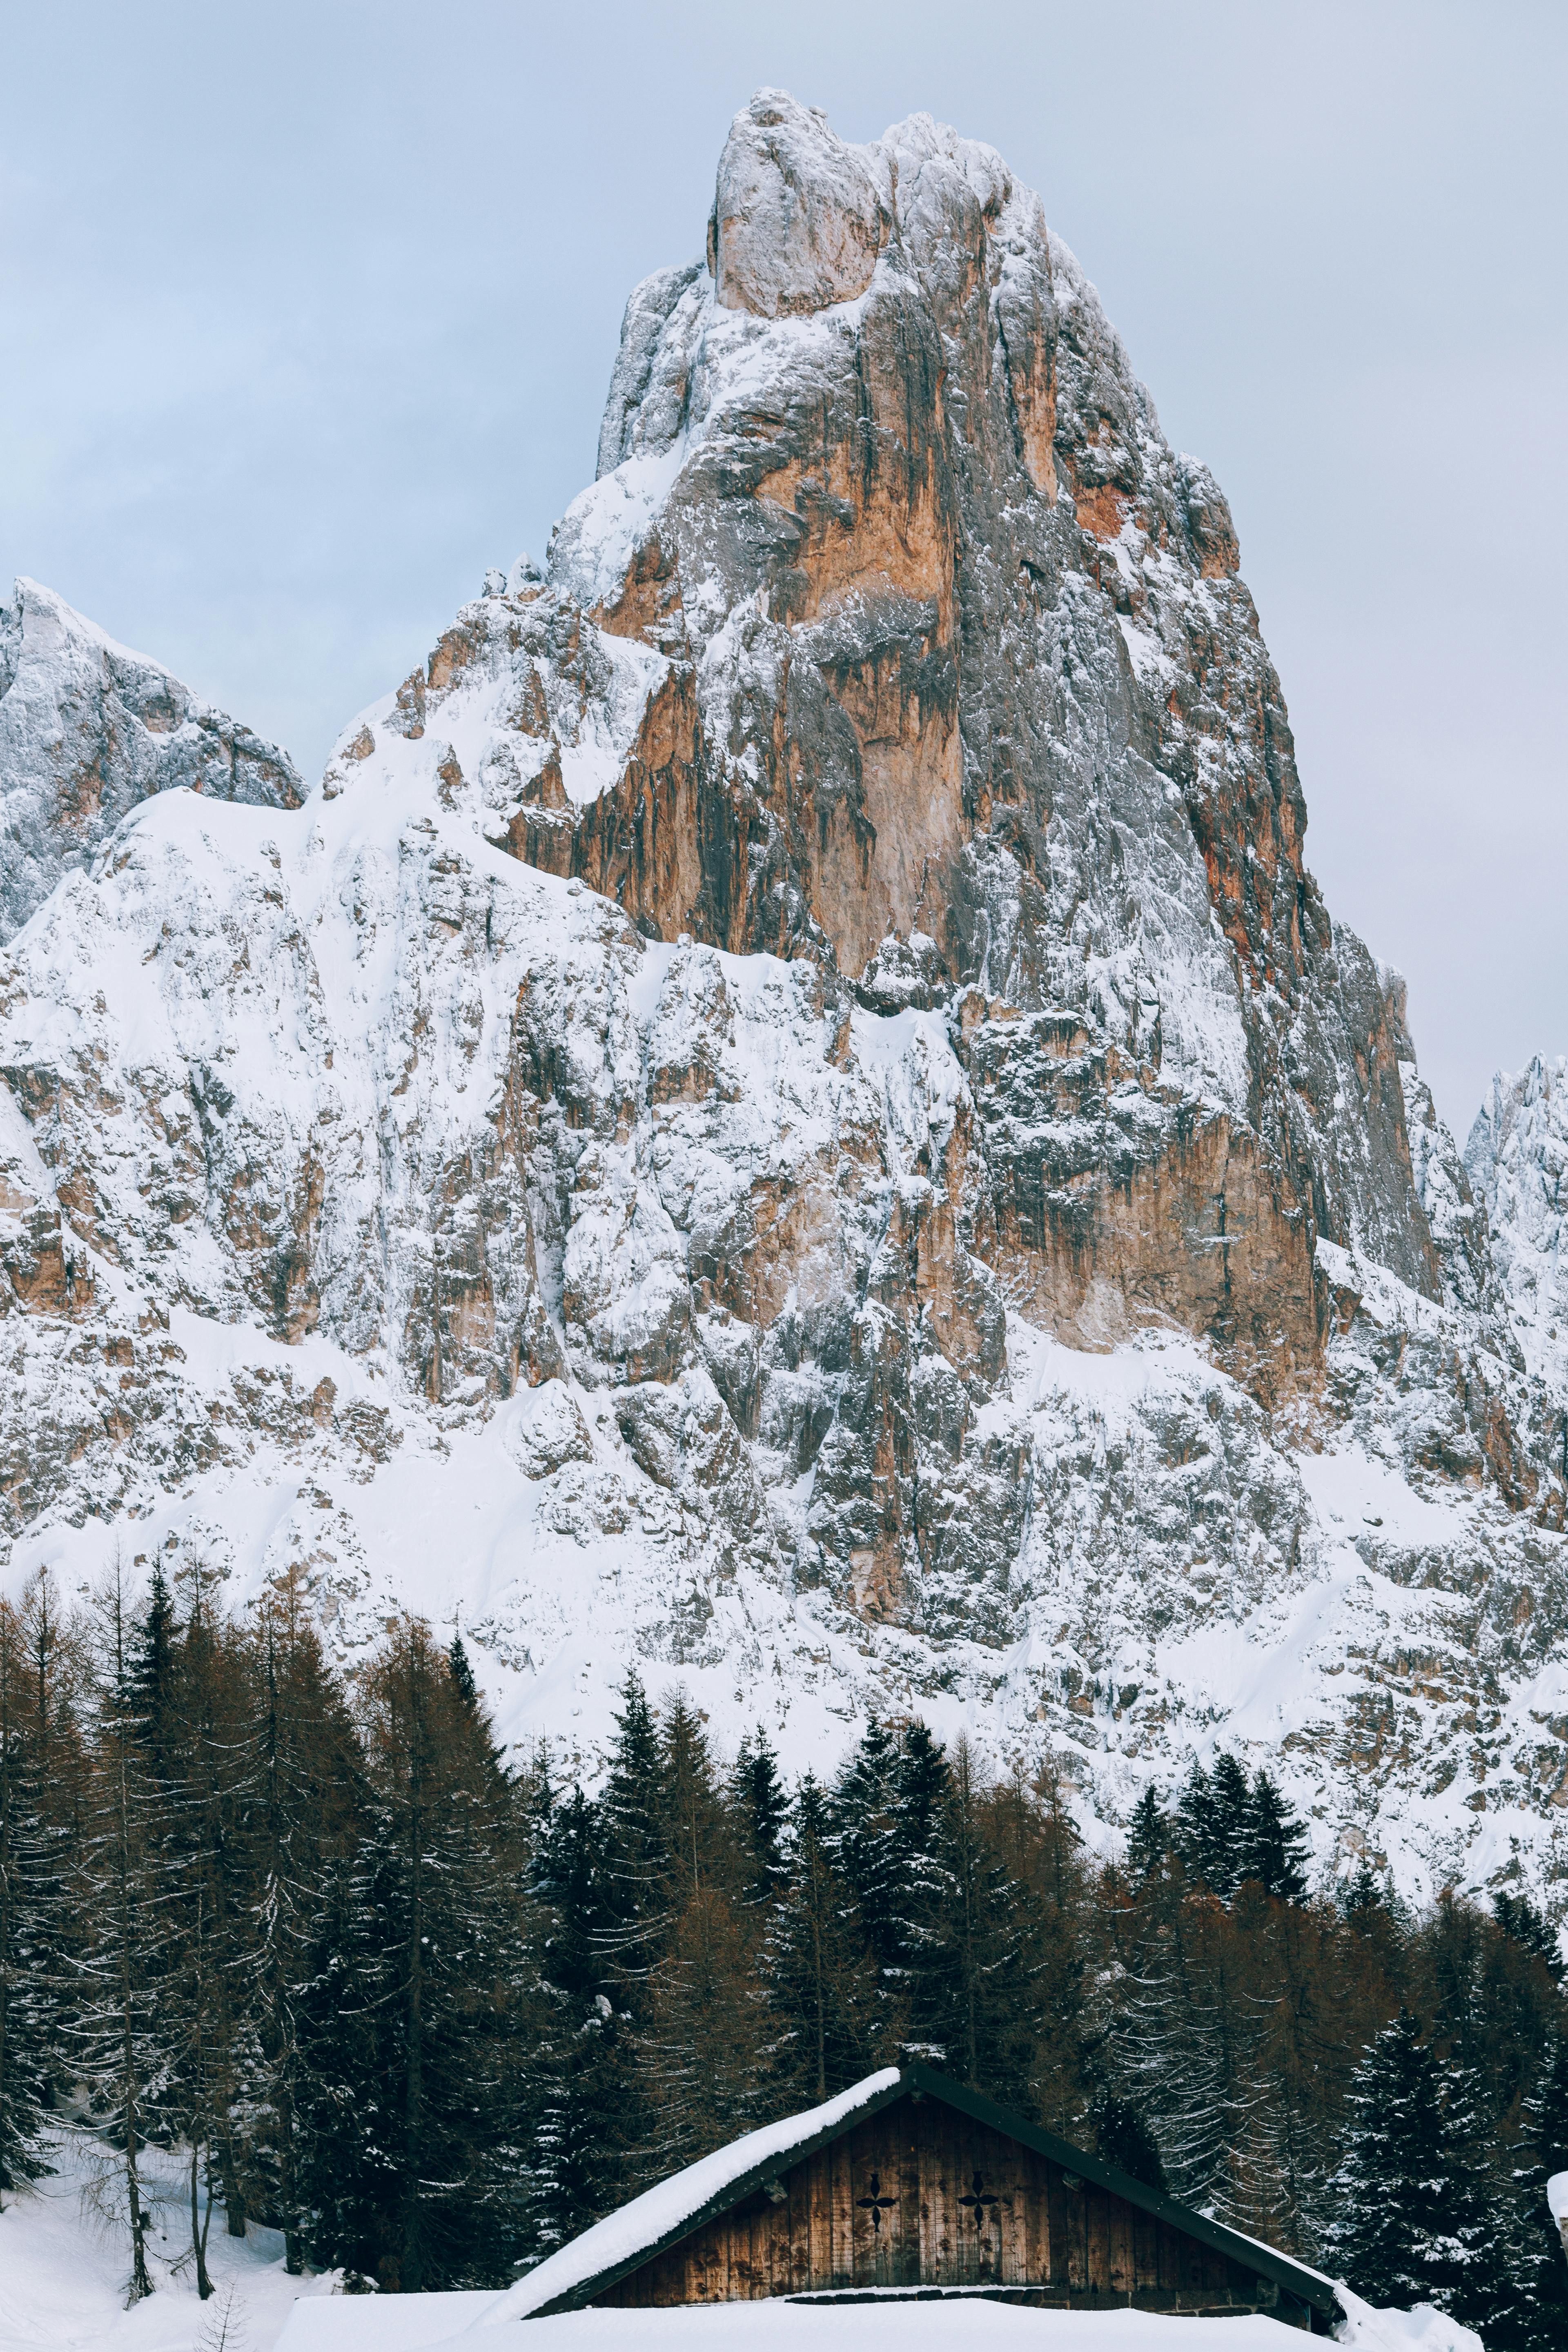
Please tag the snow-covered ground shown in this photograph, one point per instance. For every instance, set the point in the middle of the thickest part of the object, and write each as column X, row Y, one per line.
column 64, row 2269
column 969, row 2326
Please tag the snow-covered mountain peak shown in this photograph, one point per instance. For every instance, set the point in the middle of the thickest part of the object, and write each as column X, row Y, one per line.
column 790, row 1109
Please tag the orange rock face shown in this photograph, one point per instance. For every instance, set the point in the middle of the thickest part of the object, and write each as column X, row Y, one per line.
column 958, row 688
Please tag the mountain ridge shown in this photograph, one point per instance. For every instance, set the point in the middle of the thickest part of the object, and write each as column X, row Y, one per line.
column 795, row 1069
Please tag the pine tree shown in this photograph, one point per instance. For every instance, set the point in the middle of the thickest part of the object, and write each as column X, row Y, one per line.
column 584, row 2115
column 926, row 1908
column 1031, row 1827
column 1230, row 1827
column 204, row 1734
column 982, row 1995
column 24, row 1891
column 1311, row 2028
column 462, row 1674
column 1517, row 1916
column 1410, row 2223
column 698, row 2039
column 1185, row 2043
column 636, row 1839
column 1531, row 2310
column 866, row 1844
column 56, row 1678
column 435, row 1875
column 828, row 2020
column 150, row 1674
column 119, row 2055
column 761, row 1805
column 1274, row 1846
column 309, row 1808
column 1476, row 2220
column 344, row 2149
column 1214, row 1819
column 1148, row 1837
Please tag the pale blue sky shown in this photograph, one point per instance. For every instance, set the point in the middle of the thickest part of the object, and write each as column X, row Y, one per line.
column 307, row 313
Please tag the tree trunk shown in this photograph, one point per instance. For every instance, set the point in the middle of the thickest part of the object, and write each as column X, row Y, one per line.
column 412, row 2266
column 233, row 2194
column 199, row 2234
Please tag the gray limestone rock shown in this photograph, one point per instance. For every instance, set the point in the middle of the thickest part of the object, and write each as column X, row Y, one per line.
column 797, row 222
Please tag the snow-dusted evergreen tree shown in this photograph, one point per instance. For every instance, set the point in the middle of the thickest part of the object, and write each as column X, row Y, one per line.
column 436, row 1873
column 1412, row 2220
column 864, row 1815
column 1531, row 2311
column 888, row 1814
column 827, row 2021
column 581, row 2111
column 209, row 1793
column 310, row 1798
column 117, row 2040
column 637, row 1903
column 28, row 1887
column 55, row 1672
column 1274, row 1846
column 1148, row 1837
column 1189, row 2034
column 700, row 2039
column 983, row 1999
column 761, row 1802
column 1030, row 1824
column 1228, row 1830
column 934, row 1919
column 1518, row 1916
column 405, row 2016
column 343, row 2148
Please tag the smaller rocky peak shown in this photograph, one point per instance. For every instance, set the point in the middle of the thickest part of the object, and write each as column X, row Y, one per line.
column 797, row 222
column 1517, row 1159
column 88, row 729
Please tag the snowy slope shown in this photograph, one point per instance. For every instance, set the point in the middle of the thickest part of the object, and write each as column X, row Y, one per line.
column 64, row 2269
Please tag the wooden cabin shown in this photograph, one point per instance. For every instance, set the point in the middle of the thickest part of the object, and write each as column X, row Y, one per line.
column 909, row 2185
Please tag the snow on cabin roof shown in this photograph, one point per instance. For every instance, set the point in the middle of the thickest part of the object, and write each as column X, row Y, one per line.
column 660, row 2213
column 663, row 2215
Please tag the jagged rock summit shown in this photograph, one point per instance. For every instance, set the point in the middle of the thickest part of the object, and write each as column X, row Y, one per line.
column 790, row 1109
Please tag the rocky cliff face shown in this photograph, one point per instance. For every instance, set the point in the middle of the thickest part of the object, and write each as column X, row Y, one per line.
column 790, row 1107
column 87, row 731
column 1516, row 1158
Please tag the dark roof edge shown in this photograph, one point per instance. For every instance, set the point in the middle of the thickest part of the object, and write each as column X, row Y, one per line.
column 1309, row 2287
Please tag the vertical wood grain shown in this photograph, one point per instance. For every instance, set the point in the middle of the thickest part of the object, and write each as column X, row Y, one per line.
column 921, row 2160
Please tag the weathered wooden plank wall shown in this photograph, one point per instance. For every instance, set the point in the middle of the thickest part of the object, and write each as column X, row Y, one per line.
column 920, row 2196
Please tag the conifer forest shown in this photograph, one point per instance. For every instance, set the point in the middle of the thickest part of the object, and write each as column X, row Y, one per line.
column 429, row 2010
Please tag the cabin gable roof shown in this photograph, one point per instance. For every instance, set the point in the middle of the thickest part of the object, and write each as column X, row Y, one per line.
column 612, row 2249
